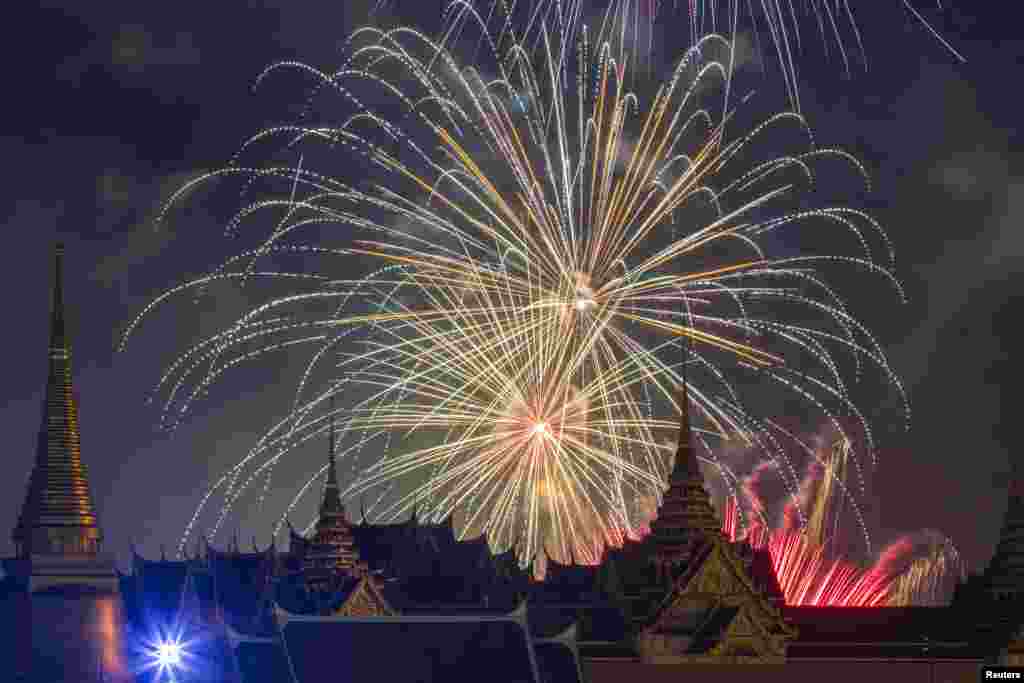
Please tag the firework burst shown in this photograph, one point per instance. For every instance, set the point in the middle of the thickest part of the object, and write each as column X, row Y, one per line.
column 541, row 239
column 505, row 440
column 629, row 26
column 813, row 566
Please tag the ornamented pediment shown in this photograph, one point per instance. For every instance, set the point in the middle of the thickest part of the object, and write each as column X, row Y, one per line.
column 743, row 626
column 365, row 600
column 717, row 581
column 748, row 636
column 700, row 603
column 717, row 576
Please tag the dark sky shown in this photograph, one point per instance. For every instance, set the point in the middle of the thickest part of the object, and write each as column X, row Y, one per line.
column 111, row 106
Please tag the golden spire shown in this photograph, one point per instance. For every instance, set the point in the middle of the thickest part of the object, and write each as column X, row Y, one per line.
column 686, row 515
column 58, row 517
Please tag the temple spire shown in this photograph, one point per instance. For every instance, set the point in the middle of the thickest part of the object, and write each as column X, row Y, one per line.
column 58, row 332
column 332, row 493
column 1005, row 574
column 686, row 515
column 332, row 549
column 58, row 517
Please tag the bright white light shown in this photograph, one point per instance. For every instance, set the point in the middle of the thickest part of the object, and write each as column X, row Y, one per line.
column 168, row 654
column 583, row 304
column 540, row 428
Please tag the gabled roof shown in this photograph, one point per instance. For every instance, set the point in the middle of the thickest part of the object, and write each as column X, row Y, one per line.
column 595, row 622
column 259, row 659
column 365, row 599
column 877, row 624
column 294, row 595
column 558, row 658
column 496, row 649
column 712, row 628
column 556, row 663
column 715, row 607
column 904, row 632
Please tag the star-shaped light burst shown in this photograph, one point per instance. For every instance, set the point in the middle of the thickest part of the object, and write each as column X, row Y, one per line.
column 170, row 653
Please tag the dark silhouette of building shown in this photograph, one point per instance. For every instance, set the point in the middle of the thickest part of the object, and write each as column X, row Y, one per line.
column 682, row 601
column 409, row 601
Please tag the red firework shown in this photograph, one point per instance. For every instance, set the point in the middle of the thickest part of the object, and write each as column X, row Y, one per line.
column 806, row 573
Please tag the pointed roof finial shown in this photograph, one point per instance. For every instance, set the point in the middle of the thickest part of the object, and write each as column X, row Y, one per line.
column 332, row 492
column 331, row 445
column 685, row 466
column 58, row 332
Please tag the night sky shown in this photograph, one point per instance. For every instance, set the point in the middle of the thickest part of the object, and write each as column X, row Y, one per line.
column 112, row 105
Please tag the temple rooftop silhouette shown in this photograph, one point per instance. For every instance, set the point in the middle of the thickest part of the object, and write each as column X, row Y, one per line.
column 409, row 601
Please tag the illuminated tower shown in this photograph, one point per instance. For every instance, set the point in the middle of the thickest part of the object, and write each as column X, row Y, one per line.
column 66, row 607
column 331, row 550
column 686, row 515
column 57, row 535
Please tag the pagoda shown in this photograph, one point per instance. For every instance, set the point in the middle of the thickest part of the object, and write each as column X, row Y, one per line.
column 1004, row 578
column 332, row 547
column 713, row 609
column 62, row 607
column 330, row 560
column 686, row 518
column 993, row 599
column 57, row 536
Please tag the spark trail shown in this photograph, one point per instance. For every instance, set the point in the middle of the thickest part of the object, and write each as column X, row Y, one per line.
column 498, row 212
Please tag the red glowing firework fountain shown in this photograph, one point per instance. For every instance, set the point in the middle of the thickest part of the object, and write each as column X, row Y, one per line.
column 806, row 572
column 916, row 569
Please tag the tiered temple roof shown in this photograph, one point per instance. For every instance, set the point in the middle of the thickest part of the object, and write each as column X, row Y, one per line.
column 332, row 548
column 58, row 516
column 686, row 516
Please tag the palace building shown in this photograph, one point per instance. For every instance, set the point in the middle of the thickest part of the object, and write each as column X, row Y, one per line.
column 358, row 601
